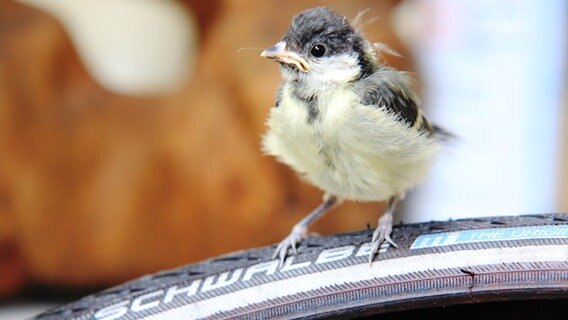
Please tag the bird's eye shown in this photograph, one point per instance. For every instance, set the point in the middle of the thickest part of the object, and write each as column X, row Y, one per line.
column 318, row 50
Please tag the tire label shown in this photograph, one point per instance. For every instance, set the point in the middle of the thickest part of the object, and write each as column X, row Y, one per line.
column 484, row 235
column 166, row 296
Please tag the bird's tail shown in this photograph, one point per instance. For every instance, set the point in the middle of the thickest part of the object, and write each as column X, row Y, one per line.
column 443, row 134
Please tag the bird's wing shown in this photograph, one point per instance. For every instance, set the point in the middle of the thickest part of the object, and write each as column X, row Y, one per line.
column 391, row 89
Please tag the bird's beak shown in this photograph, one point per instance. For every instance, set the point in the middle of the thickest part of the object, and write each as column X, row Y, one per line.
column 281, row 54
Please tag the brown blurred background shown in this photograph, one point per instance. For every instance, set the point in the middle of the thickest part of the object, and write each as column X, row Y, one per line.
column 98, row 186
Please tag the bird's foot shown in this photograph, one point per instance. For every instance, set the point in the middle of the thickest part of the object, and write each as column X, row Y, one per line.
column 381, row 234
column 299, row 233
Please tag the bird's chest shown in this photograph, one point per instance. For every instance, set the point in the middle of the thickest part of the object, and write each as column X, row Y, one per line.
column 309, row 133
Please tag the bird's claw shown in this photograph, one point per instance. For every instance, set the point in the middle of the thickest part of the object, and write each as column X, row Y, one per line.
column 381, row 234
column 290, row 242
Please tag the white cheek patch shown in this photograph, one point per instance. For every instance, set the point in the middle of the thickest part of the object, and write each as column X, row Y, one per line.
column 335, row 69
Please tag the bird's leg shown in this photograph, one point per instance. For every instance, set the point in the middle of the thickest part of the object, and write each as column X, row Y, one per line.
column 300, row 230
column 384, row 229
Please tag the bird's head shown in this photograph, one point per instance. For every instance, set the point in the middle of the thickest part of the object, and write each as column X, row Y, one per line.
column 322, row 47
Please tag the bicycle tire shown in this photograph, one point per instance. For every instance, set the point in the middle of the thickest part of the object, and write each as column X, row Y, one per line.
column 436, row 264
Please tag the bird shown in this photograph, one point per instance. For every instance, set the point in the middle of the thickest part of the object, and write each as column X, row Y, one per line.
column 345, row 122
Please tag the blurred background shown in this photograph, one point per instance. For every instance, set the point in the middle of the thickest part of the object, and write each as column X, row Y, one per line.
column 130, row 130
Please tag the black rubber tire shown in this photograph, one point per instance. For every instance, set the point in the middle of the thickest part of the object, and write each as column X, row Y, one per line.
column 436, row 264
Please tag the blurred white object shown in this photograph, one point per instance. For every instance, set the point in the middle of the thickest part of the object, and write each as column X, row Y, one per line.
column 493, row 74
column 23, row 310
column 130, row 46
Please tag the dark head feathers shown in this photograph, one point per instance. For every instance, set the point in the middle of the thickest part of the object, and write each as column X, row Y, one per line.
column 319, row 24
column 322, row 25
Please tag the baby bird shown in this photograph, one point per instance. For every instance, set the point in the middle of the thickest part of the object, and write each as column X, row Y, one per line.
column 346, row 123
